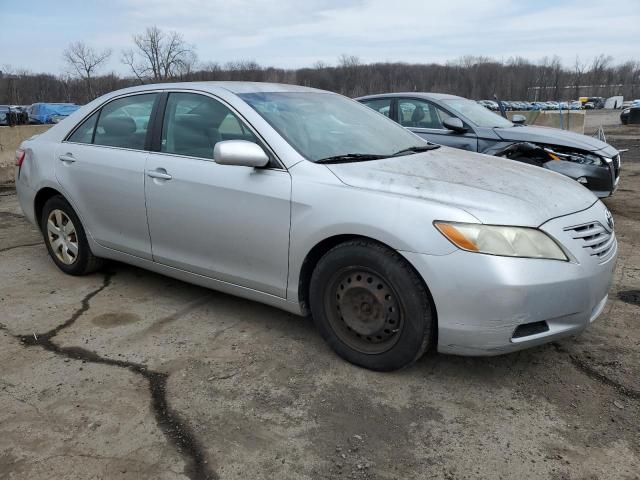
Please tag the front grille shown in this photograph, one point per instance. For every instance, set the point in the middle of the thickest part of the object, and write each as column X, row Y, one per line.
column 594, row 237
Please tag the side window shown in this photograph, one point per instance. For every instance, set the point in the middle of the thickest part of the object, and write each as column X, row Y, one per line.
column 231, row 128
column 84, row 133
column 194, row 123
column 418, row 114
column 124, row 122
column 382, row 105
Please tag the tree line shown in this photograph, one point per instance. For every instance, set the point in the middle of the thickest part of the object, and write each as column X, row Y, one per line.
column 159, row 56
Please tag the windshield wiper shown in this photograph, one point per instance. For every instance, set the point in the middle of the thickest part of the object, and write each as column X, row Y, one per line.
column 415, row 149
column 351, row 157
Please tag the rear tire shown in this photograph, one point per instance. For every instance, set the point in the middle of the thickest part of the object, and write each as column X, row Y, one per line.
column 371, row 306
column 65, row 238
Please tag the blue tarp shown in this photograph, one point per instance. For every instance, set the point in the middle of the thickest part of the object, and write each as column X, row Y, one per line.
column 47, row 112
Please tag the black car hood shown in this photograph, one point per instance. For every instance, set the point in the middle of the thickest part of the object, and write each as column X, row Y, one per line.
column 555, row 136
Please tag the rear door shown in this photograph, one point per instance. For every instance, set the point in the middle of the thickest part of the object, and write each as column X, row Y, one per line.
column 227, row 222
column 101, row 167
column 425, row 119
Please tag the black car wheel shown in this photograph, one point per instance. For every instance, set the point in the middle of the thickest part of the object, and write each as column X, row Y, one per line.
column 370, row 306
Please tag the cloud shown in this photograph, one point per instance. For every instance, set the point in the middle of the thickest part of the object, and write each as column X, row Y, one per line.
column 293, row 33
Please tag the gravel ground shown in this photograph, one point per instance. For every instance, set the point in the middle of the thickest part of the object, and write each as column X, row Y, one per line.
column 126, row 374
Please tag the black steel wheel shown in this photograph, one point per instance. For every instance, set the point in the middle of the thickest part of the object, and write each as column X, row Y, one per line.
column 371, row 306
column 363, row 310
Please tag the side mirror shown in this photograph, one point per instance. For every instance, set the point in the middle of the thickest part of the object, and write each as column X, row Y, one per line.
column 455, row 124
column 519, row 119
column 240, row 153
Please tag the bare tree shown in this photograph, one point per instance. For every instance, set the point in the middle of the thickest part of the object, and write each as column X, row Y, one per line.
column 473, row 77
column 159, row 56
column 578, row 73
column 84, row 61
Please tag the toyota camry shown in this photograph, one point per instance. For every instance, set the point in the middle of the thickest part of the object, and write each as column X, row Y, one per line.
column 313, row 203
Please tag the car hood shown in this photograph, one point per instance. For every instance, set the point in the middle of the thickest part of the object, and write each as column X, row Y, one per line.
column 555, row 136
column 492, row 189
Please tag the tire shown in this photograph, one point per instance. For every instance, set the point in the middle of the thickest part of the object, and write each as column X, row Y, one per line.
column 66, row 240
column 371, row 306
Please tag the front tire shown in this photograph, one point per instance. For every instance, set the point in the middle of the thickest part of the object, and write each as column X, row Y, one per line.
column 65, row 238
column 371, row 306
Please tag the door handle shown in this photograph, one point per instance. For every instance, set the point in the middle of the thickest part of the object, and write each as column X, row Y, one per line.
column 160, row 173
column 68, row 158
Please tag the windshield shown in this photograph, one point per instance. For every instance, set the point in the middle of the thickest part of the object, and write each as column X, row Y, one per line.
column 476, row 113
column 326, row 125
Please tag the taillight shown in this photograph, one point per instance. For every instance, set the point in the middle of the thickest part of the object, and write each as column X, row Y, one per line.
column 20, row 154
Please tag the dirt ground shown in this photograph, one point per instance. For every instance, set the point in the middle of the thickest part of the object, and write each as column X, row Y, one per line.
column 130, row 375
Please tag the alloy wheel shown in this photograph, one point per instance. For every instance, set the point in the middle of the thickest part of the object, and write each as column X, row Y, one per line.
column 62, row 237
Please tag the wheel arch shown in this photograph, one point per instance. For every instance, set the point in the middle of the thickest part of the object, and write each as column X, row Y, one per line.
column 317, row 252
column 40, row 199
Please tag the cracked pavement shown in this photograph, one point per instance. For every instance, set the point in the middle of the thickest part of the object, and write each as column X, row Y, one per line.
column 130, row 375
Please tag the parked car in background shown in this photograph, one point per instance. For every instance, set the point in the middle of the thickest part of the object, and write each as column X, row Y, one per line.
column 40, row 113
column 490, row 104
column 4, row 114
column 624, row 115
column 13, row 115
column 594, row 103
column 462, row 123
column 20, row 114
column 311, row 202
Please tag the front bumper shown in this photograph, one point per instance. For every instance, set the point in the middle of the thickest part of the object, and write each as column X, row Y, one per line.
column 601, row 180
column 482, row 299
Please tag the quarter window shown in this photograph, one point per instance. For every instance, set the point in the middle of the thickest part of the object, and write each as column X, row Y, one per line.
column 124, row 122
column 84, row 133
column 418, row 114
column 194, row 123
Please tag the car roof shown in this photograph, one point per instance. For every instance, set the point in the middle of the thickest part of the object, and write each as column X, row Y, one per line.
column 425, row 95
column 213, row 86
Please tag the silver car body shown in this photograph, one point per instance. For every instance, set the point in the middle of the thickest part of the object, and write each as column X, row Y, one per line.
column 251, row 232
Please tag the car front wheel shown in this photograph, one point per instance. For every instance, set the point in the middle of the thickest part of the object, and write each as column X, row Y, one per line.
column 371, row 306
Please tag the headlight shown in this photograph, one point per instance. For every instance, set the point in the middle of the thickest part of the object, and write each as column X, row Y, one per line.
column 588, row 159
column 505, row 241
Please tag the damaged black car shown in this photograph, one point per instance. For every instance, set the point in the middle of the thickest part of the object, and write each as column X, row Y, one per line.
column 461, row 123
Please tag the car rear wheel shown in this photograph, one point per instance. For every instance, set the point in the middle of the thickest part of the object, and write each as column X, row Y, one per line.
column 65, row 238
column 371, row 306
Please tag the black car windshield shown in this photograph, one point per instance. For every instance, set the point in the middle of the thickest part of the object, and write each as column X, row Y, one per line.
column 476, row 113
column 322, row 126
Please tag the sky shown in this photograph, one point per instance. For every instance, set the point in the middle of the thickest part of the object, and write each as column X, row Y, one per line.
column 299, row 33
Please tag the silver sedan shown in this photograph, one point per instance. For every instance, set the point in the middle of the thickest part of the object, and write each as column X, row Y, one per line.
column 313, row 203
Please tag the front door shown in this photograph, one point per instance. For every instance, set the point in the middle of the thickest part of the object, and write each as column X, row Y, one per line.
column 425, row 119
column 226, row 222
